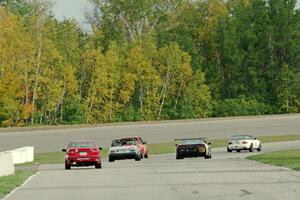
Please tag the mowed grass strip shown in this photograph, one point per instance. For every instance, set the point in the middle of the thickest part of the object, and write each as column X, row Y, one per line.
column 8, row 183
column 160, row 148
column 279, row 138
column 289, row 158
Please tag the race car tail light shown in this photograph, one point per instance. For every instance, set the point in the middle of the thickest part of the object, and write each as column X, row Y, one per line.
column 71, row 151
column 181, row 147
column 95, row 150
column 244, row 142
column 202, row 148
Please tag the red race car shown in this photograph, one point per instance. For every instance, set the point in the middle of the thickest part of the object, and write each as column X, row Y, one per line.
column 82, row 153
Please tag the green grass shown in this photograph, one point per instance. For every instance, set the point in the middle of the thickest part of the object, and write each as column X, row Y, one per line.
column 160, row 148
column 49, row 158
column 8, row 183
column 278, row 138
column 289, row 159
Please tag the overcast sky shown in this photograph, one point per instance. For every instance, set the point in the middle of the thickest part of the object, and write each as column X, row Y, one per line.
column 71, row 9
column 74, row 9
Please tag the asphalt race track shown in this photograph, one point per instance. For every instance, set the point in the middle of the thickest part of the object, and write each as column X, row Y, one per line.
column 55, row 140
column 227, row 176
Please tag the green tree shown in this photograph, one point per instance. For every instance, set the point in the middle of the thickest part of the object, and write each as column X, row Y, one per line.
column 175, row 69
column 133, row 19
column 288, row 100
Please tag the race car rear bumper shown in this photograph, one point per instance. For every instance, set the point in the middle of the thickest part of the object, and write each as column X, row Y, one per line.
column 120, row 156
column 83, row 161
column 239, row 146
column 190, row 153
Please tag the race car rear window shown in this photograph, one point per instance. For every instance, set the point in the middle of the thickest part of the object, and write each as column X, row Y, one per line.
column 193, row 141
column 121, row 142
column 241, row 137
column 82, row 145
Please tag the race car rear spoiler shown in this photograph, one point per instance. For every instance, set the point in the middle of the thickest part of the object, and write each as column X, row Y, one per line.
column 201, row 138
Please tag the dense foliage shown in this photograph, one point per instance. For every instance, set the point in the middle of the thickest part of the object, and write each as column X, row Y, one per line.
column 148, row 60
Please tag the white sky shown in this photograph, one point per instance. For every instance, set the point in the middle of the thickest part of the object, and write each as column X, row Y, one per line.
column 71, row 9
column 75, row 9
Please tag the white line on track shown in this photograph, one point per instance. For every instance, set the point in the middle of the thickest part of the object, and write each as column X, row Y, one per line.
column 17, row 188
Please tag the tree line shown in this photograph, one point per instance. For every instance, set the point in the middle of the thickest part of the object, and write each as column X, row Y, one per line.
column 148, row 60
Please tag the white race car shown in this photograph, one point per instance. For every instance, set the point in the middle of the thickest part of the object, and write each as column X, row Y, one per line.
column 243, row 142
column 124, row 148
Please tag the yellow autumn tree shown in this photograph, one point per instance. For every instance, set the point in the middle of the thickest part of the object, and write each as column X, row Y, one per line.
column 15, row 67
column 102, row 101
column 140, row 64
column 174, row 67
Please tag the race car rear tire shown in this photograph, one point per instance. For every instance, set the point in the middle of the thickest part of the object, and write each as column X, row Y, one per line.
column 259, row 148
column 229, row 150
column 137, row 157
column 98, row 166
column 67, row 166
column 208, row 156
column 179, row 157
column 251, row 148
column 146, row 156
column 111, row 160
